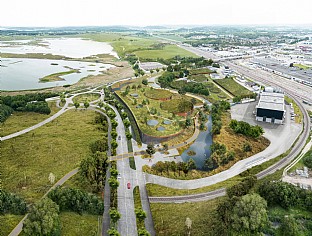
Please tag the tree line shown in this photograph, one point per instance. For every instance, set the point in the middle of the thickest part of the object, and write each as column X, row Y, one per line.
column 217, row 109
column 32, row 102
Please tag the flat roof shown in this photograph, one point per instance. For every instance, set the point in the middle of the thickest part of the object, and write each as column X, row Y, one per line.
column 271, row 101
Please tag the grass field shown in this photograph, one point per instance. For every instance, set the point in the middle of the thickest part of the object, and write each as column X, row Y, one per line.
column 22, row 120
column 232, row 87
column 167, row 52
column 57, row 147
column 88, row 97
column 169, row 219
column 8, row 223
column 74, row 224
column 172, row 37
column 142, row 47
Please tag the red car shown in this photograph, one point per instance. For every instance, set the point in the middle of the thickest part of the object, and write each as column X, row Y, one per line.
column 128, row 185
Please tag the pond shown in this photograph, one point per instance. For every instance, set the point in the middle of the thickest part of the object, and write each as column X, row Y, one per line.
column 22, row 74
column 152, row 122
column 201, row 147
column 69, row 47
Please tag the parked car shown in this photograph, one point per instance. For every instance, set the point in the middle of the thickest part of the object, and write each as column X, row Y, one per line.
column 128, row 185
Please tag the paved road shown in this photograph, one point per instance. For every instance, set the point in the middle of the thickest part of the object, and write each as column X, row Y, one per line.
column 190, row 198
column 127, row 223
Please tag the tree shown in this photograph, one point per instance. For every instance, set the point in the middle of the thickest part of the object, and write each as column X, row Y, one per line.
column 128, row 135
column 124, row 115
column 247, row 147
column 114, row 134
column 289, row 227
column 86, row 104
column 113, row 232
column 191, row 164
column 150, row 149
column 145, row 81
column 76, row 104
column 182, row 91
column 143, row 232
column 202, row 126
column 43, row 219
column 165, row 146
column 94, row 169
column 249, row 214
column 237, row 99
column 113, row 172
column 127, row 123
column 114, row 144
column 188, row 122
column 114, row 124
column 114, row 215
column 140, row 214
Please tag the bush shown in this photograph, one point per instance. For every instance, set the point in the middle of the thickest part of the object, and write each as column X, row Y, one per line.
column 5, row 112
column 307, row 159
column 11, row 204
column 70, row 199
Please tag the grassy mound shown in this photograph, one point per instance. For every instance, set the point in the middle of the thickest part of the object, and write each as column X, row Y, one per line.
column 177, row 105
column 158, row 94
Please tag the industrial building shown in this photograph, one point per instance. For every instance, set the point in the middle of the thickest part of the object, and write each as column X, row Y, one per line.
column 271, row 107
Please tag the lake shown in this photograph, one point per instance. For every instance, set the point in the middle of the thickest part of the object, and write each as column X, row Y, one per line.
column 201, row 146
column 22, row 73
column 69, row 47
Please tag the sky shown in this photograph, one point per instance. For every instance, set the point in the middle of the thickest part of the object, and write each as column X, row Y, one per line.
column 55, row 13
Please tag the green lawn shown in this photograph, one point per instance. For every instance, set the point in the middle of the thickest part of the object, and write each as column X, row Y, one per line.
column 167, row 52
column 22, row 120
column 74, row 224
column 89, row 97
column 233, row 87
column 8, row 223
column 57, row 147
column 169, row 219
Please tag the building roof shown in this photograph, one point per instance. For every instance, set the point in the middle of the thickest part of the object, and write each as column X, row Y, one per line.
column 271, row 101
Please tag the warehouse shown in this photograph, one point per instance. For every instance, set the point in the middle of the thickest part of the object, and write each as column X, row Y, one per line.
column 271, row 107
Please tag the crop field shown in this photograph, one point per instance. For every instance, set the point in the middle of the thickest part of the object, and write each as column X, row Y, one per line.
column 57, row 147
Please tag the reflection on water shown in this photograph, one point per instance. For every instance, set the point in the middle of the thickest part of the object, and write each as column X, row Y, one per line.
column 22, row 74
column 201, row 147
